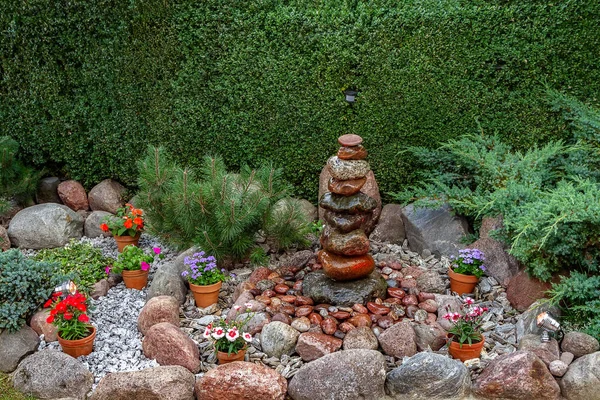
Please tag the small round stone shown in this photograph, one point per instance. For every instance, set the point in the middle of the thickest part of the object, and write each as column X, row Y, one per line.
column 350, row 140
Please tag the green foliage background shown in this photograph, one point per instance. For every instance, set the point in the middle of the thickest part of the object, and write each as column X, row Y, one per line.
column 85, row 85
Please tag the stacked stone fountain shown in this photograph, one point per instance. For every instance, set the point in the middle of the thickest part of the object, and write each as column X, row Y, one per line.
column 348, row 267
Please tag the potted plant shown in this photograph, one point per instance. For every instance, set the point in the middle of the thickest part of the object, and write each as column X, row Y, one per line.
column 204, row 277
column 126, row 226
column 133, row 264
column 229, row 340
column 75, row 334
column 465, row 270
column 465, row 338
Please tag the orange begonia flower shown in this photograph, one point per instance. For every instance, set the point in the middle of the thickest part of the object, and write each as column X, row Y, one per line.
column 138, row 221
column 137, row 211
column 128, row 223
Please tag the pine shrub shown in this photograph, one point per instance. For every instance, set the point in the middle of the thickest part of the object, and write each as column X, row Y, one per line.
column 219, row 211
column 17, row 182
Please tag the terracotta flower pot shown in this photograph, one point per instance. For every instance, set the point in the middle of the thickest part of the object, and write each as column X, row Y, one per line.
column 135, row 279
column 79, row 347
column 126, row 240
column 225, row 358
column 206, row 295
column 465, row 351
column 460, row 283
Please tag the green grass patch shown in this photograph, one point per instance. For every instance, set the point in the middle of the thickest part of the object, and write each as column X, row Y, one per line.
column 7, row 392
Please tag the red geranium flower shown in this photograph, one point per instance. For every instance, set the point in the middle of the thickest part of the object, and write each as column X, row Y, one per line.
column 128, row 223
column 138, row 221
column 104, row 227
column 83, row 318
column 50, row 319
column 48, row 303
column 68, row 316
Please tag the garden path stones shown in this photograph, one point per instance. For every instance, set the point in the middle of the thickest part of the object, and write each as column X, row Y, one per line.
column 169, row 345
column 278, row 339
column 50, row 374
column 518, row 375
column 107, row 196
column 45, row 226
column 429, row 376
column 437, row 230
column 158, row 309
column 92, row 223
column 14, row 346
column 72, row 194
column 582, row 379
column 579, row 344
column 321, row 289
column 241, row 381
column 47, row 191
column 350, row 374
column 159, row 383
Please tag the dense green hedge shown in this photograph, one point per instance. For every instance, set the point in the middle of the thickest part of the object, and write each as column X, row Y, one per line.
column 85, row 84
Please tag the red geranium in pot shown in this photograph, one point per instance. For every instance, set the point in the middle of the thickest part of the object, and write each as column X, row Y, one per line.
column 75, row 334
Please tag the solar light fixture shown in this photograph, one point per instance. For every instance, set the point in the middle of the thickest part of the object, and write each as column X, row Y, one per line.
column 548, row 325
column 350, row 95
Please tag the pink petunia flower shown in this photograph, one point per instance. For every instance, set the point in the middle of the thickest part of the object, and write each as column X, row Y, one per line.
column 145, row 266
column 156, row 250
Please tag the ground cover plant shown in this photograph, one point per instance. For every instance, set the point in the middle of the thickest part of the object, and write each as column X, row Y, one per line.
column 548, row 197
column 219, row 211
column 84, row 262
column 262, row 80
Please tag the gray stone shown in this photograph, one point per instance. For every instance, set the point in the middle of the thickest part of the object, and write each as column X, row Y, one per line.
column 399, row 340
column 255, row 321
column 45, row 226
column 322, row 289
column 14, row 346
column 429, row 337
column 92, row 223
column 567, row 357
column 579, row 344
column 160, row 383
column 527, row 322
column 107, row 196
column 431, row 282
column 296, row 259
column 309, row 210
column 166, row 283
column 437, row 230
column 361, row 338
column 50, row 374
column 582, row 379
column 546, row 351
column 558, row 368
column 390, row 228
column 100, row 289
column 428, row 376
column 47, row 191
column 343, row 375
column 278, row 339
column 344, row 170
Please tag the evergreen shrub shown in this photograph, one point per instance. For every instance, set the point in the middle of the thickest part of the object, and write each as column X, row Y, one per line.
column 84, row 82
column 17, row 182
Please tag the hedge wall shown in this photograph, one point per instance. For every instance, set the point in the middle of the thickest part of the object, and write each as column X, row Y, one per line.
column 86, row 84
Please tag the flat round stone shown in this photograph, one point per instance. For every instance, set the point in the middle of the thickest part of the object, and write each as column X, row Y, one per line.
column 346, row 188
column 347, row 169
column 354, row 243
column 358, row 203
column 342, row 268
column 350, row 140
column 347, row 222
column 352, row 153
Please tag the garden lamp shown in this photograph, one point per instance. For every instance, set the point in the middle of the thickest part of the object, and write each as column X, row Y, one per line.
column 66, row 287
column 350, row 95
column 548, row 324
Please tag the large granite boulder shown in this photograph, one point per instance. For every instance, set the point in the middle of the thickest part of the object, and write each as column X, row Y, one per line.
column 434, row 229
column 47, row 191
column 390, row 228
column 518, row 375
column 73, row 195
column 91, row 227
column 159, row 383
column 499, row 264
column 41, row 327
column 241, row 381
column 399, row 340
column 313, row 345
column 322, row 289
column 361, row 337
column 370, row 188
column 523, row 290
column 582, row 380
column 108, row 195
column 546, row 351
column 169, row 345
column 579, row 344
column 167, row 282
column 158, row 309
column 14, row 346
column 45, row 226
column 428, row 376
column 50, row 374
column 345, row 375
column 278, row 339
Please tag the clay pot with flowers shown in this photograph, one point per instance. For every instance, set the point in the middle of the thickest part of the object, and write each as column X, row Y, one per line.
column 133, row 264
column 465, row 270
column 68, row 313
column 229, row 339
column 204, row 277
column 465, row 337
column 126, row 226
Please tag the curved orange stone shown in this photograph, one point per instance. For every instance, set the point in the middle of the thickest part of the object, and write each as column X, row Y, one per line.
column 352, row 153
column 346, row 188
column 342, row 268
